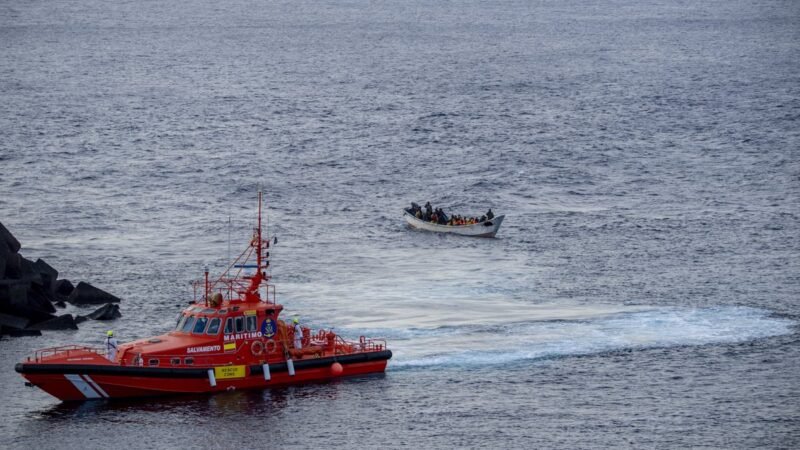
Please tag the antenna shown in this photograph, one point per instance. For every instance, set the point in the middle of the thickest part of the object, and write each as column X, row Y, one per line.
column 258, row 238
column 205, row 269
column 269, row 251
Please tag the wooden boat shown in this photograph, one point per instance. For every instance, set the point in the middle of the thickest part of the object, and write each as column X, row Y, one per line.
column 487, row 228
column 230, row 338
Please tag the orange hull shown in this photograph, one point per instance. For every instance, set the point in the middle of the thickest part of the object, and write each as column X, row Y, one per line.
column 77, row 382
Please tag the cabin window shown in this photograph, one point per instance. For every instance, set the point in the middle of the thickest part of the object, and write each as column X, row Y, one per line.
column 181, row 321
column 223, row 311
column 178, row 320
column 209, row 311
column 188, row 324
column 213, row 326
column 188, row 361
column 152, row 362
column 229, row 325
column 200, row 325
column 175, row 361
column 251, row 323
column 239, row 324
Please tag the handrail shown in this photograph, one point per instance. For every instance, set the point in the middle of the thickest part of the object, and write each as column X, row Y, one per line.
column 238, row 286
column 132, row 358
column 363, row 344
column 40, row 354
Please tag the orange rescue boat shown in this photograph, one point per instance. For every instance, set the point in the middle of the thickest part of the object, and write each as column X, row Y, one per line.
column 231, row 337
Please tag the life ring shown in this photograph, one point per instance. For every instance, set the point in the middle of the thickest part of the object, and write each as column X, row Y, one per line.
column 257, row 347
column 270, row 346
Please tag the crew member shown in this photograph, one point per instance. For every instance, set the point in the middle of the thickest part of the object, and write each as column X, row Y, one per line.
column 111, row 346
column 298, row 334
column 490, row 214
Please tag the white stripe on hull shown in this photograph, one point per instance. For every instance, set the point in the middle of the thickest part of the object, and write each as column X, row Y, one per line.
column 95, row 386
column 81, row 384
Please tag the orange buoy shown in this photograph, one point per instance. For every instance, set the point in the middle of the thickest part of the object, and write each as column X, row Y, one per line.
column 336, row 369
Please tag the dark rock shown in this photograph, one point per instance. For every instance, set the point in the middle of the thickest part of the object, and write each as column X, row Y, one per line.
column 4, row 255
column 48, row 274
column 14, row 296
column 41, row 298
column 14, row 332
column 63, row 322
column 10, row 321
column 8, row 239
column 64, row 287
column 108, row 311
column 5, row 286
column 86, row 294
column 7, row 289
column 21, row 268
column 27, row 271
column 13, row 263
column 79, row 319
column 17, row 301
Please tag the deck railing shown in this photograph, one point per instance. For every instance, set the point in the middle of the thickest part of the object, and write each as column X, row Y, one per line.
column 127, row 357
column 362, row 345
column 65, row 350
column 233, row 289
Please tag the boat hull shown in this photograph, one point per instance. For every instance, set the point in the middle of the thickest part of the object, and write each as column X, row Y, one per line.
column 483, row 229
column 79, row 382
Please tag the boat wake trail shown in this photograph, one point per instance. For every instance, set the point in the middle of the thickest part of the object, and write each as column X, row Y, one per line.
column 474, row 344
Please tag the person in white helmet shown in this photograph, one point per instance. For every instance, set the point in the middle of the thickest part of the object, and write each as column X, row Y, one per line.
column 298, row 334
column 111, row 346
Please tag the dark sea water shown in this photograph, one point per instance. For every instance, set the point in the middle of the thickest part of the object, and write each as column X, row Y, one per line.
column 644, row 290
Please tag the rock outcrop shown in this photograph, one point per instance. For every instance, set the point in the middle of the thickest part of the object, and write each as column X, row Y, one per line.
column 86, row 294
column 30, row 289
column 109, row 311
column 63, row 322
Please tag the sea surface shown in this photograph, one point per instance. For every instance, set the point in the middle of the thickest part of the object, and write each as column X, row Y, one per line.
column 643, row 291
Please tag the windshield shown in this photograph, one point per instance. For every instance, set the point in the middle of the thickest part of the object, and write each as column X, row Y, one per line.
column 213, row 327
column 188, row 324
column 200, row 325
column 181, row 320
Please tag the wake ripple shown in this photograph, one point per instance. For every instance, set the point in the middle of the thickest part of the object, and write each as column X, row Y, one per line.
column 499, row 344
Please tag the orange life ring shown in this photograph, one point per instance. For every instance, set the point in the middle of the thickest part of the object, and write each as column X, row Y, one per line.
column 270, row 346
column 257, row 347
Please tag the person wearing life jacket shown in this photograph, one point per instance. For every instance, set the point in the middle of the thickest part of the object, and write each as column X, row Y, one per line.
column 111, row 346
column 298, row 334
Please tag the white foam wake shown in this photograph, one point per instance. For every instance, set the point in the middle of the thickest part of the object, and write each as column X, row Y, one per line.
column 490, row 343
